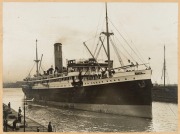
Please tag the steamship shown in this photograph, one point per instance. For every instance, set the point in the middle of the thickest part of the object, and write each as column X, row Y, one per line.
column 92, row 85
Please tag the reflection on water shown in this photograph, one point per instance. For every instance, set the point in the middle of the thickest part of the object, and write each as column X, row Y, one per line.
column 165, row 117
column 76, row 120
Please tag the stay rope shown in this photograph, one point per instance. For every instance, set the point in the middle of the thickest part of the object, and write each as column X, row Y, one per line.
column 127, row 42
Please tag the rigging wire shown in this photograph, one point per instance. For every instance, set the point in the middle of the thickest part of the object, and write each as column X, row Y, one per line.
column 98, row 52
column 102, row 41
column 116, row 51
column 42, row 68
column 133, row 44
column 138, row 51
column 96, row 47
column 172, row 110
column 168, row 80
column 125, row 50
column 96, row 36
column 119, row 51
column 31, row 69
column 102, row 45
column 162, row 73
column 40, row 62
column 97, row 26
column 166, row 75
column 127, row 42
column 90, row 39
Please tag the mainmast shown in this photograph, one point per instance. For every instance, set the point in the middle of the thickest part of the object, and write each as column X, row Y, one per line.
column 107, row 34
column 37, row 71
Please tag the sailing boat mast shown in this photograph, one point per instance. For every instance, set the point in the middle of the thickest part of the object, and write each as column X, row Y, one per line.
column 164, row 68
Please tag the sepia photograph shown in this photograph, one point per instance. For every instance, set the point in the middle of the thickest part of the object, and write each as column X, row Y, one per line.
column 90, row 66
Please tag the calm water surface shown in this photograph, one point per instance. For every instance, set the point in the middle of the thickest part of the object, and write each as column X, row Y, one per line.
column 165, row 117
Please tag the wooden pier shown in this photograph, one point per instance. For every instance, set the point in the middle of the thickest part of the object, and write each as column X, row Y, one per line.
column 30, row 125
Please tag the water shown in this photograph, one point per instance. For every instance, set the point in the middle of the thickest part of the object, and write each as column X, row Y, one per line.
column 165, row 117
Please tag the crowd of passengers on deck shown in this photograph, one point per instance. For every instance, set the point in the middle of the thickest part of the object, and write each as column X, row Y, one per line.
column 51, row 73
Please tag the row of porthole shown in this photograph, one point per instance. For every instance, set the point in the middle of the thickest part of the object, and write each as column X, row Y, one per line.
column 61, row 86
column 96, row 82
column 102, row 81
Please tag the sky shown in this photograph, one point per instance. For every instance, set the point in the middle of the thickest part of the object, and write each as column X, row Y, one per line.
column 147, row 27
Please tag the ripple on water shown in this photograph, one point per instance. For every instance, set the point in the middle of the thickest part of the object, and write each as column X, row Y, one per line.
column 165, row 117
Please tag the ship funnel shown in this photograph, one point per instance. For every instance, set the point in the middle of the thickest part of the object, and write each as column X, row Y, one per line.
column 58, row 57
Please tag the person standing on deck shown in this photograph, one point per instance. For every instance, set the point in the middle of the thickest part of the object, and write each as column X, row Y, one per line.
column 9, row 105
column 19, row 117
column 19, row 111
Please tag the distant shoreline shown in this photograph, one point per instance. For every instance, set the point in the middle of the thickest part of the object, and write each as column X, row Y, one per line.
column 12, row 85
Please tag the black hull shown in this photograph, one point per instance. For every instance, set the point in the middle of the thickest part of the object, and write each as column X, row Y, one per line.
column 131, row 98
column 122, row 93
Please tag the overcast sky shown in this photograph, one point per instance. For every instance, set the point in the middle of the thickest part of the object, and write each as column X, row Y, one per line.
column 147, row 27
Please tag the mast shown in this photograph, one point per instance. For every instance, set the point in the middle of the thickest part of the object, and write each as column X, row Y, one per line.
column 37, row 71
column 40, row 62
column 164, row 68
column 107, row 34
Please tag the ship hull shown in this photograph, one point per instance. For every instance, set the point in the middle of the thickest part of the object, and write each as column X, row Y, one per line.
column 130, row 98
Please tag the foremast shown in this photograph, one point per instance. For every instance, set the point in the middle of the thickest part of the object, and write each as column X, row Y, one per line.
column 37, row 61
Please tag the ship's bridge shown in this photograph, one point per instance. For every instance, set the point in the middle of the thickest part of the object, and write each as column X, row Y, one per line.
column 86, row 65
column 91, row 62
